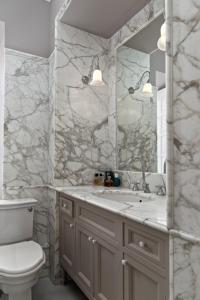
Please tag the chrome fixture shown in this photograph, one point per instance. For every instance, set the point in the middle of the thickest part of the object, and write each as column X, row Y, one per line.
column 94, row 78
column 161, row 190
column 147, row 89
column 145, row 186
column 136, row 186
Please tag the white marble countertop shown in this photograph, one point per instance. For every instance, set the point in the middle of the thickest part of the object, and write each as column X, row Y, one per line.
column 152, row 211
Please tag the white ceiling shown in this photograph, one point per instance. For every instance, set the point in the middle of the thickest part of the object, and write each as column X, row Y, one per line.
column 101, row 17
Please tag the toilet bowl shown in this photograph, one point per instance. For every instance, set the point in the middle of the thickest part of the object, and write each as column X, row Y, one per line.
column 21, row 260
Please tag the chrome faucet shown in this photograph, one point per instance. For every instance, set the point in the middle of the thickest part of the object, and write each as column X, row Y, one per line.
column 145, row 186
column 136, row 186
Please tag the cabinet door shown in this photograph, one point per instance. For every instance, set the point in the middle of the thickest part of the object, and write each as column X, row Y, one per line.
column 67, row 243
column 84, row 259
column 108, row 271
column 141, row 283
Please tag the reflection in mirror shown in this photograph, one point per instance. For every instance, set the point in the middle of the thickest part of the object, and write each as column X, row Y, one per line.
column 141, row 102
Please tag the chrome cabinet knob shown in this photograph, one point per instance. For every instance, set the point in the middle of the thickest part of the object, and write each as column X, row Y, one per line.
column 94, row 242
column 124, row 262
column 141, row 244
column 71, row 225
column 65, row 205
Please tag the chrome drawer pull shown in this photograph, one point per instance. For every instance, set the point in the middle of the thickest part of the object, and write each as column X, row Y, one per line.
column 141, row 244
column 65, row 206
column 94, row 242
column 71, row 225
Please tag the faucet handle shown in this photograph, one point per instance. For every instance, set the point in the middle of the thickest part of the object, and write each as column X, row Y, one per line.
column 136, row 186
column 146, row 188
column 161, row 190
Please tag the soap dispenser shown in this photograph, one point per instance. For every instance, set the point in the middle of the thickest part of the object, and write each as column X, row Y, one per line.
column 116, row 180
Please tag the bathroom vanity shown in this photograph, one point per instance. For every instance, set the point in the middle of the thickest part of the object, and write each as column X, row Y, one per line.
column 111, row 253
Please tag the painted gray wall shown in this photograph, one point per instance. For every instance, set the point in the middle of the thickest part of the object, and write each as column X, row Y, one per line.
column 27, row 25
column 157, row 63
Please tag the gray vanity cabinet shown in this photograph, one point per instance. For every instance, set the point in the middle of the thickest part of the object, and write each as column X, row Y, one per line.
column 84, row 260
column 111, row 257
column 67, row 232
column 98, row 266
column 108, row 271
column 142, row 283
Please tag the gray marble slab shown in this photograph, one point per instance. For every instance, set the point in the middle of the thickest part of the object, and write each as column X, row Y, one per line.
column 152, row 212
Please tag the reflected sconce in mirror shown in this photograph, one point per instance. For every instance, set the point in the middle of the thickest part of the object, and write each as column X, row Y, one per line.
column 94, row 78
column 147, row 89
column 162, row 40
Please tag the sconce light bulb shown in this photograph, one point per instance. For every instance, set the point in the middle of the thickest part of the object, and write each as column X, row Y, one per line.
column 163, row 29
column 97, row 79
column 162, row 43
column 147, row 90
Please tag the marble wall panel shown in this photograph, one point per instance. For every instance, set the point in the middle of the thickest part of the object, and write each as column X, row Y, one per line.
column 53, row 224
column 51, row 121
column 186, row 269
column 2, row 92
column 186, row 115
column 82, row 143
column 26, row 120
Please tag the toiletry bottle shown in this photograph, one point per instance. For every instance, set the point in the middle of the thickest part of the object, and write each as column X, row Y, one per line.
column 108, row 182
column 96, row 179
column 116, row 180
column 101, row 179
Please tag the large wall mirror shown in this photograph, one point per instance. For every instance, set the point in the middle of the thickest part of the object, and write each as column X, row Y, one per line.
column 141, row 102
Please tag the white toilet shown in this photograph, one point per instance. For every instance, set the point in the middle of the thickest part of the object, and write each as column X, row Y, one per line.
column 20, row 257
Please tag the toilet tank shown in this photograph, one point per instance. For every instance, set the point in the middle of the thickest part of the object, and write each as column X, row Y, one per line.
column 16, row 220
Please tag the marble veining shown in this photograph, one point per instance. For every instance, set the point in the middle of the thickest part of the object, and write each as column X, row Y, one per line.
column 26, row 120
column 51, row 121
column 136, row 122
column 82, row 143
column 2, row 93
column 186, row 117
column 184, row 145
column 136, row 23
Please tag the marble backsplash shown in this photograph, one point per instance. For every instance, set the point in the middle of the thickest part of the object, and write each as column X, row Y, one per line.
column 154, row 180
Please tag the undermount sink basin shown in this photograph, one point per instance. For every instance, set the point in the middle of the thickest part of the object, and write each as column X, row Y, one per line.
column 122, row 197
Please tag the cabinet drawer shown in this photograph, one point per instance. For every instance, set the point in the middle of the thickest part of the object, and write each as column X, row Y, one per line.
column 146, row 242
column 66, row 206
column 100, row 222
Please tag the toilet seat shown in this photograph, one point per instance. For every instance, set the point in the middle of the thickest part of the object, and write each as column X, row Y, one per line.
column 19, row 259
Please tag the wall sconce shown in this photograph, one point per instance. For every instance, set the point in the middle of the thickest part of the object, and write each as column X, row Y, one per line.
column 94, row 77
column 147, row 89
column 162, row 40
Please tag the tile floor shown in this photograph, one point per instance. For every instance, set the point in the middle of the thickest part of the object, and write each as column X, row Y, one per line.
column 45, row 290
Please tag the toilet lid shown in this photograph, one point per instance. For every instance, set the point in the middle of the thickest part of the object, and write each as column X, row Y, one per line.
column 20, row 257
